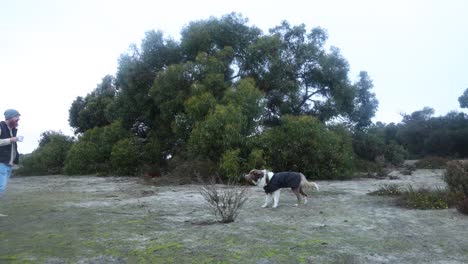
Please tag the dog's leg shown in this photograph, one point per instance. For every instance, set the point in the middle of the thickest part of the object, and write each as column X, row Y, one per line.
column 298, row 195
column 267, row 200
column 304, row 195
column 276, row 196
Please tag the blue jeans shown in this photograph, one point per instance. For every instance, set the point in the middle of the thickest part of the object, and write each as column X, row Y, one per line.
column 5, row 172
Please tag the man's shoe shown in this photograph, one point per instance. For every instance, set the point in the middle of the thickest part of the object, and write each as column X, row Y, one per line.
column 1, row 215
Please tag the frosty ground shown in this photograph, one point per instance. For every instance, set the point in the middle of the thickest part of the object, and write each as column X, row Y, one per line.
column 60, row 219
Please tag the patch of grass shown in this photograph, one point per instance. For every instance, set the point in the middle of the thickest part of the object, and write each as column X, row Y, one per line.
column 387, row 190
column 425, row 198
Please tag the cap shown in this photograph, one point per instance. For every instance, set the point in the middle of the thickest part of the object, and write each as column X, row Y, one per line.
column 10, row 113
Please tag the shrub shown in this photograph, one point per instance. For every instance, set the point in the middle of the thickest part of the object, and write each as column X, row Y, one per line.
column 462, row 206
column 456, row 177
column 422, row 198
column 124, row 157
column 303, row 143
column 92, row 152
column 49, row 157
column 368, row 145
column 395, row 153
column 230, row 165
column 225, row 202
column 425, row 198
column 255, row 160
column 81, row 159
column 387, row 190
column 432, row 162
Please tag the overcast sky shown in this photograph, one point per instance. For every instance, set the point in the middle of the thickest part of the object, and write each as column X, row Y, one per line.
column 416, row 52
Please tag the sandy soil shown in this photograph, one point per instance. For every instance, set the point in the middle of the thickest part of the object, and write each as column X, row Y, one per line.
column 58, row 219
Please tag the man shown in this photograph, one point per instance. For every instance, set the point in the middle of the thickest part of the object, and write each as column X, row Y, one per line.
column 8, row 149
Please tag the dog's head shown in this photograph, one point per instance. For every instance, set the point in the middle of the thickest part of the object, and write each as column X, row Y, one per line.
column 254, row 175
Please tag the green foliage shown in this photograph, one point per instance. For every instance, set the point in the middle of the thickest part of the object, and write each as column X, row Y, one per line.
column 365, row 103
column 304, row 144
column 377, row 141
column 424, row 135
column 124, row 157
column 92, row 111
column 456, row 177
column 422, row 198
column 425, row 198
column 463, row 99
column 82, row 159
column 222, row 84
column 49, row 157
column 395, row 153
column 256, row 160
column 221, row 131
column 228, row 126
column 230, row 165
column 92, row 152
column 368, row 145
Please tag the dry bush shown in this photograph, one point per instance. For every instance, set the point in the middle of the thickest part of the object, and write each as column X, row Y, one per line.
column 225, row 200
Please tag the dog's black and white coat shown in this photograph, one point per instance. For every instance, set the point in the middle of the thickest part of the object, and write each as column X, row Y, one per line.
column 272, row 183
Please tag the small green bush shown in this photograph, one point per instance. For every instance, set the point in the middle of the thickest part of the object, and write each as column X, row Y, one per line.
column 230, row 165
column 92, row 152
column 81, row 159
column 124, row 157
column 49, row 157
column 303, row 143
column 395, row 153
column 256, row 160
column 425, row 198
column 456, row 177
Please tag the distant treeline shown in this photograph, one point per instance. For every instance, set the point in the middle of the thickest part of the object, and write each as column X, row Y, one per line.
column 227, row 98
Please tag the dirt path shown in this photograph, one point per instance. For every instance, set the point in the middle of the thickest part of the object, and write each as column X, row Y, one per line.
column 59, row 219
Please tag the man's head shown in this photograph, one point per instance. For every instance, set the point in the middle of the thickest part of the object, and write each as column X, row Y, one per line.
column 12, row 117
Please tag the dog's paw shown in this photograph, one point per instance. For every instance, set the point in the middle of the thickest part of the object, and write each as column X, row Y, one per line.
column 264, row 206
column 274, row 206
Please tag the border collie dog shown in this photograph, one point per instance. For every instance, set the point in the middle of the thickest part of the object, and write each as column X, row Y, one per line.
column 272, row 183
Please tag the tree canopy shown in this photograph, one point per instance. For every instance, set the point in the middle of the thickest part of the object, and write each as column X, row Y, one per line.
column 223, row 84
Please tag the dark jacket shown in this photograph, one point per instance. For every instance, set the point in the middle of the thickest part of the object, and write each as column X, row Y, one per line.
column 283, row 180
column 5, row 151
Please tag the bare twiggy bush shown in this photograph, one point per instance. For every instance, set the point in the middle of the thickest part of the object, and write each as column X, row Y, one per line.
column 224, row 199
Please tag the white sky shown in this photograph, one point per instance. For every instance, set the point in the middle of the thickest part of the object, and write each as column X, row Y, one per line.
column 416, row 52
